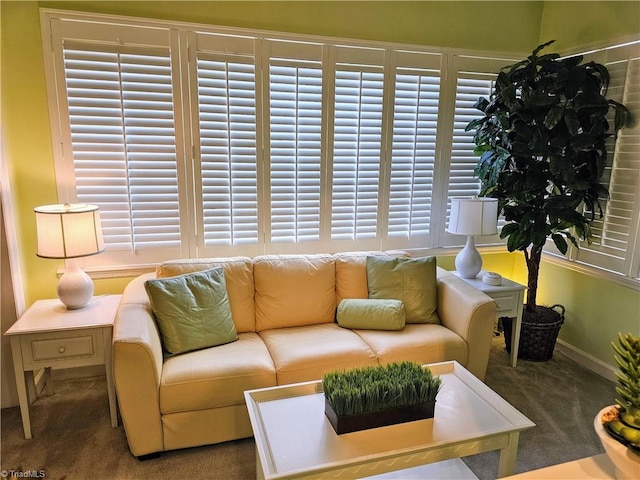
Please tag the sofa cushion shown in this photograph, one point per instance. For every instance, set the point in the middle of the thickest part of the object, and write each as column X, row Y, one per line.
column 351, row 273
column 375, row 314
column 422, row 343
column 192, row 310
column 294, row 290
column 411, row 280
column 305, row 353
column 238, row 275
column 215, row 377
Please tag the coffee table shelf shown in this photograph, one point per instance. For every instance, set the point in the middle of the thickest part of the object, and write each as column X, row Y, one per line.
column 294, row 439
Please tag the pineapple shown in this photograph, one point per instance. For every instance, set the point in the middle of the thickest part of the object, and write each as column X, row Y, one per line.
column 626, row 428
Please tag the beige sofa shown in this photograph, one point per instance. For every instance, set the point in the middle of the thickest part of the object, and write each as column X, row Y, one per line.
column 284, row 310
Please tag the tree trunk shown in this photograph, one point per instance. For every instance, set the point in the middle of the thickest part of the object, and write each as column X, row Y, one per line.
column 533, row 258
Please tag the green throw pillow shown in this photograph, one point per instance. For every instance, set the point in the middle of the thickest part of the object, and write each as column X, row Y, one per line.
column 411, row 280
column 371, row 314
column 192, row 310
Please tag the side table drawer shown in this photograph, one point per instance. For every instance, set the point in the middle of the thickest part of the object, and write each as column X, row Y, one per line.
column 506, row 305
column 63, row 349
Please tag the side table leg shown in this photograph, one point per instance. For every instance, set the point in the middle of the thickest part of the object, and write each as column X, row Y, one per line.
column 48, row 382
column 508, row 454
column 113, row 410
column 23, row 399
column 516, row 326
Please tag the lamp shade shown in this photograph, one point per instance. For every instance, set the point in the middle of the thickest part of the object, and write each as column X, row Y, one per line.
column 68, row 230
column 473, row 216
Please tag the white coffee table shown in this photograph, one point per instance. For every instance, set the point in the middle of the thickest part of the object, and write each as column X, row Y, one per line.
column 295, row 440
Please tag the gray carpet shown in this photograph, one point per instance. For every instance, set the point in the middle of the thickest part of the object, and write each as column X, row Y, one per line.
column 73, row 438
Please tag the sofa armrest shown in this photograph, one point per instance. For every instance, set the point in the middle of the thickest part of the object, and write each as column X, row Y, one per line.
column 137, row 369
column 471, row 314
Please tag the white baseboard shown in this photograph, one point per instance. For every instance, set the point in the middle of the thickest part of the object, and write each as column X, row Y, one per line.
column 587, row 361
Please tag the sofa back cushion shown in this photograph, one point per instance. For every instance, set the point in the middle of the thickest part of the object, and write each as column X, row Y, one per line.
column 351, row 273
column 294, row 290
column 238, row 274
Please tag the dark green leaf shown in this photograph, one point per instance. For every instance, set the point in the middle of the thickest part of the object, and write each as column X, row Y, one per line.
column 590, row 100
column 474, row 124
column 508, row 229
column 543, row 99
column 560, row 242
column 572, row 122
column 603, row 73
column 571, row 62
column 623, row 117
column 582, row 141
column 538, row 234
column 540, row 47
column 571, row 238
column 561, row 205
column 519, row 240
column 554, row 115
column 575, row 81
column 481, row 104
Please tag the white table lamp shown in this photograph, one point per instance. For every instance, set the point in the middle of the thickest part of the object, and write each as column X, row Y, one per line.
column 70, row 231
column 472, row 217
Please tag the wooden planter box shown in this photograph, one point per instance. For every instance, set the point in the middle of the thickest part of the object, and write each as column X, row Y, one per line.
column 353, row 423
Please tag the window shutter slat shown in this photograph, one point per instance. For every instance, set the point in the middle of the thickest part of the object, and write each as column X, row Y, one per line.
column 124, row 148
column 413, row 154
column 228, row 151
column 612, row 234
column 356, row 152
column 295, row 150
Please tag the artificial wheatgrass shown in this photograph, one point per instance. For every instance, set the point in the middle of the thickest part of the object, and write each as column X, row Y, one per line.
column 374, row 389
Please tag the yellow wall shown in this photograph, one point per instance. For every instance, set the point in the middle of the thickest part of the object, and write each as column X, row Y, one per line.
column 506, row 26
column 511, row 26
column 596, row 309
column 581, row 23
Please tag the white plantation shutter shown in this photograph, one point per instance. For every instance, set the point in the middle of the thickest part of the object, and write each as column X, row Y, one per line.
column 295, row 145
column 470, row 86
column 475, row 78
column 357, row 137
column 228, row 152
column 615, row 234
column 417, row 94
column 123, row 140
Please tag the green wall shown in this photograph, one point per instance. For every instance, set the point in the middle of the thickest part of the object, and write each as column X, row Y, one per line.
column 596, row 309
column 505, row 26
column 511, row 26
column 582, row 23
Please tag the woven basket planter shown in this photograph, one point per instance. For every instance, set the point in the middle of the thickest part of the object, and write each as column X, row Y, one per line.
column 537, row 339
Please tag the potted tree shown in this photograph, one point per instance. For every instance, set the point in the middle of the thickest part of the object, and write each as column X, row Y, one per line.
column 542, row 152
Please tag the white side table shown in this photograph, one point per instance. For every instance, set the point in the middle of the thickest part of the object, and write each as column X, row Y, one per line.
column 50, row 336
column 509, row 297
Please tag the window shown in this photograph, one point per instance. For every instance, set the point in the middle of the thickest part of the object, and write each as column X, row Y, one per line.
column 413, row 149
column 205, row 141
column 225, row 144
column 616, row 243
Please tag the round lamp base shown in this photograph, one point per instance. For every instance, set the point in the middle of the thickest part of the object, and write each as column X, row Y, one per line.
column 75, row 288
